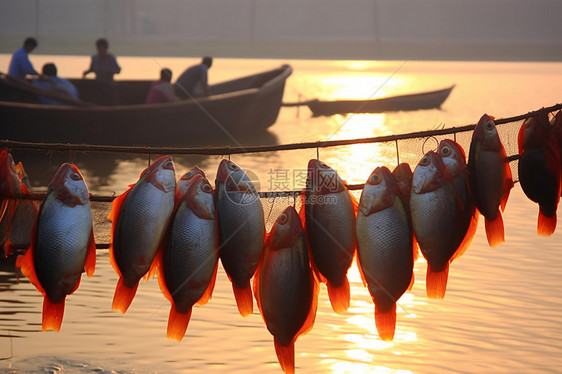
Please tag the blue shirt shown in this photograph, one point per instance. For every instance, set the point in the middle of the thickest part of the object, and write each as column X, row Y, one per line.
column 104, row 67
column 193, row 81
column 58, row 85
column 20, row 65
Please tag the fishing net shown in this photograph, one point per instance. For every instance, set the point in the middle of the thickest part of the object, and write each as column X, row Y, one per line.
column 407, row 148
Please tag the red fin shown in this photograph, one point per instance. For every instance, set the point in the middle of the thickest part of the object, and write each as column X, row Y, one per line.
column 161, row 278
column 361, row 272
column 116, row 207
column 386, row 323
column 494, row 230
column 286, row 356
column 508, row 184
column 309, row 322
column 436, row 282
column 209, row 291
column 354, row 202
column 244, row 299
column 177, row 323
column 27, row 265
column 123, row 296
column 415, row 247
column 90, row 264
column 52, row 314
column 151, row 273
column 467, row 237
column 411, row 282
column 339, row 296
column 546, row 225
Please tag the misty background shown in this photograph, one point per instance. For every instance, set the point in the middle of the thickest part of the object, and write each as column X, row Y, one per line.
column 527, row 30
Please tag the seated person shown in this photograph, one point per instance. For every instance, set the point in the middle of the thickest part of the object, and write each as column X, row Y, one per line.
column 51, row 82
column 20, row 66
column 193, row 82
column 103, row 64
column 162, row 91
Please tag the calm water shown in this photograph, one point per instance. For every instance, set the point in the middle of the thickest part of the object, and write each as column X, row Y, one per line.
column 502, row 310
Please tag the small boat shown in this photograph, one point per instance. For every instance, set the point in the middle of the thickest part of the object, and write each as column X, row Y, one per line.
column 234, row 110
column 423, row 100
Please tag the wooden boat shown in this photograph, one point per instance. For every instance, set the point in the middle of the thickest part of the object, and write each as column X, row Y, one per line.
column 235, row 108
column 424, row 100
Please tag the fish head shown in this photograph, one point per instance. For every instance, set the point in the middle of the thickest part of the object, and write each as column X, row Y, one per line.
column 379, row 191
column 286, row 229
column 453, row 157
column 9, row 181
column 403, row 177
column 185, row 181
column 428, row 174
column 199, row 197
column 22, row 175
column 236, row 183
column 322, row 179
column 161, row 173
column 533, row 132
column 69, row 187
column 487, row 135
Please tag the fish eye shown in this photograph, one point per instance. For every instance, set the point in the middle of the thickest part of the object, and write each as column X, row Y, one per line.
column 424, row 161
column 283, row 219
column 75, row 176
column 232, row 166
column 445, row 151
column 376, row 178
column 169, row 165
column 489, row 125
column 206, row 188
column 188, row 175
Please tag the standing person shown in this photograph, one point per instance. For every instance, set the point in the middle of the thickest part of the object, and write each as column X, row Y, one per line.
column 51, row 82
column 20, row 66
column 162, row 91
column 194, row 80
column 103, row 64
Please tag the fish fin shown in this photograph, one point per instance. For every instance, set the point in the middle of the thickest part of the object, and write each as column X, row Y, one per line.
column 436, row 282
column 467, row 237
column 27, row 265
column 244, row 299
column 546, row 225
column 361, row 273
column 52, row 314
column 411, row 285
column 339, row 296
column 123, row 296
column 90, row 264
column 354, row 202
column 415, row 247
column 494, row 230
column 151, row 273
column 161, row 279
column 8, row 213
column 286, row 356
column 116, row 207
column 311, row 317
column 177, row 323
column 508, row 183
column 209, row 290
column 386, row 322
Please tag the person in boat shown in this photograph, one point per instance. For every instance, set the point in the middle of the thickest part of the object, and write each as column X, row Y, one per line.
column 103, row 64
column 20, row 66
column 194, row 80
column 50, row 81
column 162, row 90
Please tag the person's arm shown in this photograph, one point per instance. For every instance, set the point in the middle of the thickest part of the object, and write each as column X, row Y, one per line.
column 27, row 67
column 204, row 80
column 90, row 69
column 116, row 67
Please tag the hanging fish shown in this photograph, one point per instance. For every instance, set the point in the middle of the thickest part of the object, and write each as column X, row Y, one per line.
column 241, row 230
column 10, row 186
column 24, row 216
column 285, row 288
column 556, row 124
column 330, row 229
column 62, row 244
column 539, row 169
column 490, row 177
column 384, row 247
column 185, row 181
column 139, row 219
column 403, row 177
column 189, row 258
column 454, row 160
column 435, row 208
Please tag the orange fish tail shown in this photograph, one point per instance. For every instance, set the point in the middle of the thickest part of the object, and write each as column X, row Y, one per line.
column 177, row 323
column 339, row 296
column 386, row 322
column 494, row 230
column 286, row 356
column 244, row 300
column 546, row 225
column 123, row 296
column 436, row 282
column 52, row 314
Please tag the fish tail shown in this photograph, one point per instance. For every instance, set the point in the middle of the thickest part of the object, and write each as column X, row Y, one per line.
column 436, row 282
column 339, row 296
column 177, row 323
column 546, row 225
column 286, row 356
column 244, row 300
column 52, row 314
column 386, row 322
column 123, row 296
column 494, row 230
